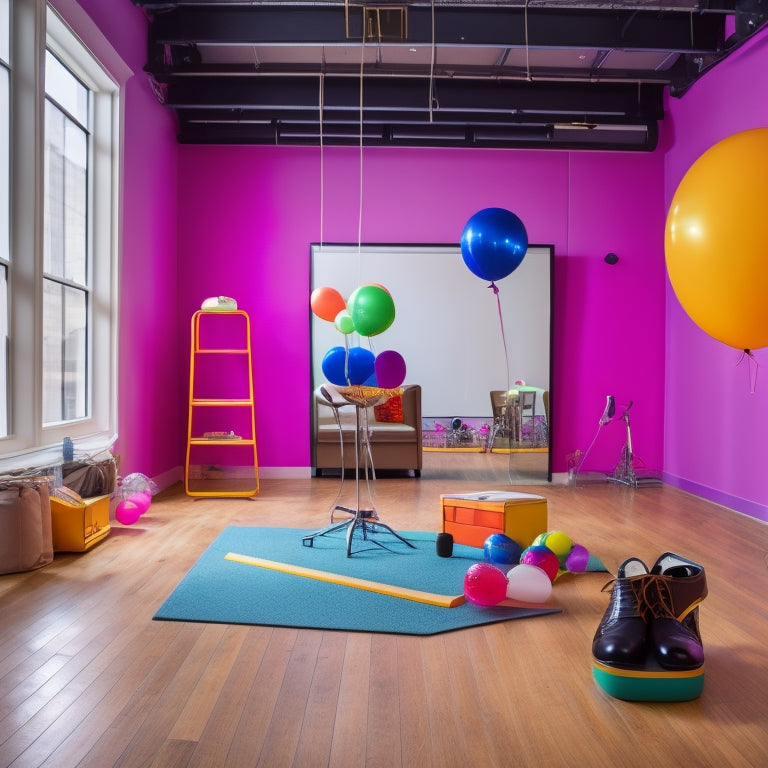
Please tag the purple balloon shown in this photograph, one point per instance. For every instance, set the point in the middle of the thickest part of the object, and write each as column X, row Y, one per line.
column 578, row 559
column 390, row 369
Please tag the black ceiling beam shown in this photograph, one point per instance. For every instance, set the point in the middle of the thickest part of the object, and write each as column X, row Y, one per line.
column 641, row 139
column 438, row 117
column 412, row 94
column 535, row 27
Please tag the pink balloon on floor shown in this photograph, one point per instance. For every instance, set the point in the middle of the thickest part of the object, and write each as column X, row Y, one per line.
column 142, row 500
column 485, row 584
column 127, row 512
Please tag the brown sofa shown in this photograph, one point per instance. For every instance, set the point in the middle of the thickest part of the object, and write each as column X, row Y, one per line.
column 394, row 445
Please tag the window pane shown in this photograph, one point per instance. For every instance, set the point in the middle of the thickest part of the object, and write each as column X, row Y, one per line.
column 66, row 202
column 5, row 31
column 4, row 403
column 5, row 174
column 65, row 89
column 65, row 390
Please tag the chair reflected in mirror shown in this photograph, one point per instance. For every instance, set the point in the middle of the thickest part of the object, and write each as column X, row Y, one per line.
column 526, row 417
column 504, row 409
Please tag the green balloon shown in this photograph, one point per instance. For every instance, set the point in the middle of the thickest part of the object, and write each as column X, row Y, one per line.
column 343, row 322
column 372, row 309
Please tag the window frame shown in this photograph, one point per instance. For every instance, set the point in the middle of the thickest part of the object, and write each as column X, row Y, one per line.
column 36, row 27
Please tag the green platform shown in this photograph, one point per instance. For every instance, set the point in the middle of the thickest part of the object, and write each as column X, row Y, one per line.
column 650, row 684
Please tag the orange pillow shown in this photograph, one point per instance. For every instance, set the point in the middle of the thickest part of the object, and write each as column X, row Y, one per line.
column 389, row 411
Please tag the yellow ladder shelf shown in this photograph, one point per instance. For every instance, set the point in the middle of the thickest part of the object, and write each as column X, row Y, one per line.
column 221, row 455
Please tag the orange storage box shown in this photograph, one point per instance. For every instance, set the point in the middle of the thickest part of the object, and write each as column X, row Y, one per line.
column 78, row 524
column 472, row 517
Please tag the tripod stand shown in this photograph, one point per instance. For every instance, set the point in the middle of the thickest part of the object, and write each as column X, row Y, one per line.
column 363, row 522
column 624, row 472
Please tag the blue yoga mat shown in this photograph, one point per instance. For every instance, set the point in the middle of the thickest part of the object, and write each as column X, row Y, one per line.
column 221, row 591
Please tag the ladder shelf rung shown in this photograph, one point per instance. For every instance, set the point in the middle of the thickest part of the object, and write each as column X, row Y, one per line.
column 221, row 441
column 219, row 403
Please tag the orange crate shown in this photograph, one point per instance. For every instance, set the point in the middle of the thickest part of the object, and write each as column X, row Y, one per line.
column 472, row 517
column 79, row 524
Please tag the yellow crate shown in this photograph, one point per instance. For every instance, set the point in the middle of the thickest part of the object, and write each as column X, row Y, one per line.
column 472, row 517
column 78, row 524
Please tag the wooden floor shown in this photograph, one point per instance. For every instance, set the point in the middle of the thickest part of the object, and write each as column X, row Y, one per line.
column 87, row 678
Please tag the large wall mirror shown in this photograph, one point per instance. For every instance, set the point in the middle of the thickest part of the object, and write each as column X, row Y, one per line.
column 459, row 342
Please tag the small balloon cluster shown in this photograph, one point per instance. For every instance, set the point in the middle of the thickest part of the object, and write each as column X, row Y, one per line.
column 134, row 495
column 369, row 311
column 533, row 569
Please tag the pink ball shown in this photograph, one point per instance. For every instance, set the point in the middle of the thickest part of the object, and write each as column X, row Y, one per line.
column 544, row 558
column 142, row 500
column 485, row 584
column 127, row 512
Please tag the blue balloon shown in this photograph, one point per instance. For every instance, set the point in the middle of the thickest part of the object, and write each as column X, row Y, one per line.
column 334, row 366
column 493, row 243
column 360, row 365
column 499, row 549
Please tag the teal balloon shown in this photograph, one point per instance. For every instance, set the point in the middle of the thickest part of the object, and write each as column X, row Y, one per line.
column 493, row 243
column 372, row 309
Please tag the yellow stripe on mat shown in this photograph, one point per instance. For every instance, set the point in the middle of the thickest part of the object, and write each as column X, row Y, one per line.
column 443, row 601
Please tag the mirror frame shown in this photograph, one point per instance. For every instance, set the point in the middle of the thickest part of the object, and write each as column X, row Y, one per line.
column 363, row 252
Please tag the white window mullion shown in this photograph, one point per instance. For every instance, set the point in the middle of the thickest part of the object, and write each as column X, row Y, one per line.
column 25, row 282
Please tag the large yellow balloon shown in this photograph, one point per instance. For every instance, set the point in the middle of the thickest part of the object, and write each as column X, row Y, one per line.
column 716, row 240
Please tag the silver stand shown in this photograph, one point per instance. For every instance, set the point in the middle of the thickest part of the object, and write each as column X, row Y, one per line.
column 364, row 522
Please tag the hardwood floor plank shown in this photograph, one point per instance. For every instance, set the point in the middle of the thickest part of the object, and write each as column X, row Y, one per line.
column 348, row 747
column 317, row 727
column 383, row 745
column 215, row 741
column 248, row 739
column 413, row 701
column 200, row 702
column 282, row 733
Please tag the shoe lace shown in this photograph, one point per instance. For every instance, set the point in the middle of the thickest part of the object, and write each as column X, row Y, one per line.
column 654, row 597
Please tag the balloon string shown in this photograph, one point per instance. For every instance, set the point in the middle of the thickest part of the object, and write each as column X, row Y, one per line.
column 752, row 369
column 495, row 289
column 346, row 363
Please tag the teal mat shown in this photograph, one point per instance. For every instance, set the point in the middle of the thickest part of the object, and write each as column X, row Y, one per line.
column 221, row 591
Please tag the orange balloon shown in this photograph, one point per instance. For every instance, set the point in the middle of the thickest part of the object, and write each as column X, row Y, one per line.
column 716, row 240
column 326, row 303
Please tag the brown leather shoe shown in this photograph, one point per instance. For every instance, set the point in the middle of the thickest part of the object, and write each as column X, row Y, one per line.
column 669, row 600
column 620, row 639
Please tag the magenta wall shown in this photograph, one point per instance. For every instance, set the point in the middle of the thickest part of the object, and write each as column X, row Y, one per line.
column 714, row 427
column 151, row 416
column 247, row 216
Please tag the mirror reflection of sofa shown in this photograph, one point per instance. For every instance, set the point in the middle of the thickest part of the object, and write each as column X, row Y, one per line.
column 395, row 432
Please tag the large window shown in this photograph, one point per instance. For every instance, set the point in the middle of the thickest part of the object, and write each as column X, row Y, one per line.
column 5, row 189
column 58, row 235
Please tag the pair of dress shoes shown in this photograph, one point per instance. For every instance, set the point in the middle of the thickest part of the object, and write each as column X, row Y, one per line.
column 653, row 614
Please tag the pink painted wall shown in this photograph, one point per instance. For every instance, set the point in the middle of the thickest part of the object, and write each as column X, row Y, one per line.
column 247, row 216
column 151, row 416
column 714, row 428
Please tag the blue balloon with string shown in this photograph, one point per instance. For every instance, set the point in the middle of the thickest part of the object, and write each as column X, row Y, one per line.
column 493, row 243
